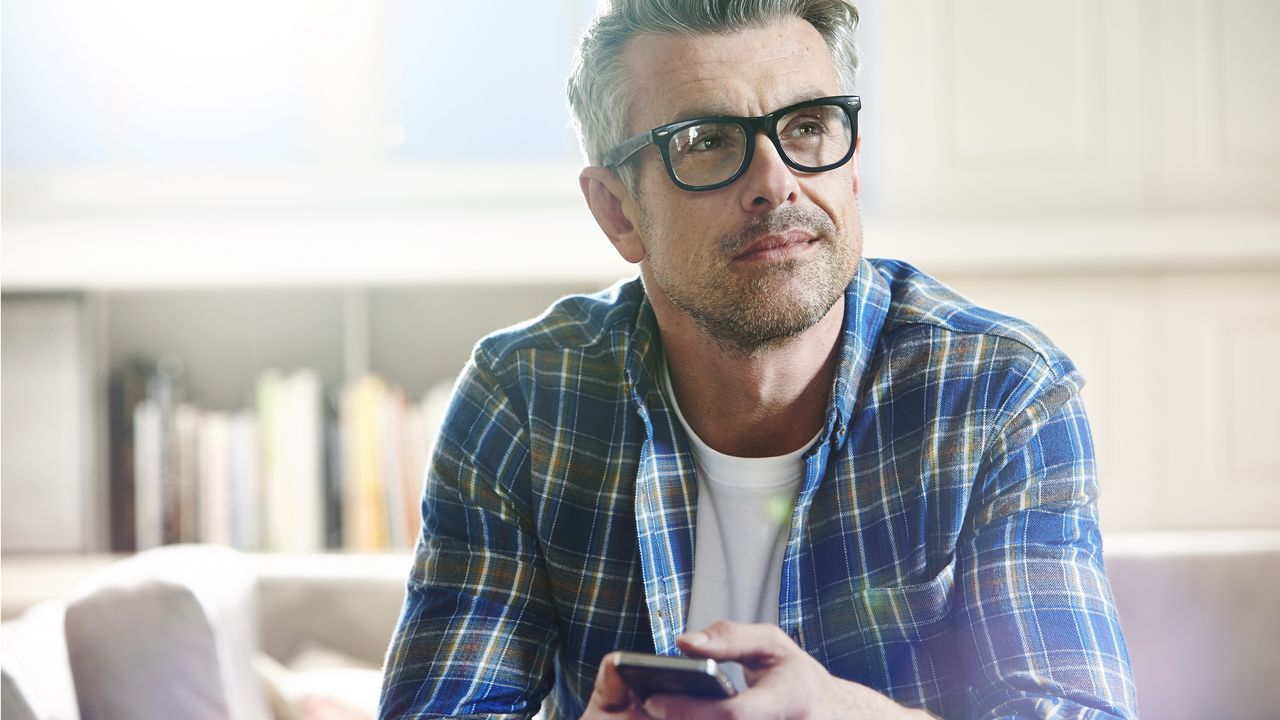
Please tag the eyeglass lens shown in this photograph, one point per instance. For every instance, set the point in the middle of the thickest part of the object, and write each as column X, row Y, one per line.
column 712, row 152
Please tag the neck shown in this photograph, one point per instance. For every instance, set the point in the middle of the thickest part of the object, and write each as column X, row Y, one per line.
column 759, row 404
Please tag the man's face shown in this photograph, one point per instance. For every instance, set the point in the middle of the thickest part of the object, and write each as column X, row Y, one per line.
column 767, row 256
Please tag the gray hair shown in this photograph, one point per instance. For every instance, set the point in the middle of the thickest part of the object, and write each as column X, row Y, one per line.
column 597, row 87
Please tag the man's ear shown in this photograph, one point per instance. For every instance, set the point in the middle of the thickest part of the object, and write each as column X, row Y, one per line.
column 612, row 207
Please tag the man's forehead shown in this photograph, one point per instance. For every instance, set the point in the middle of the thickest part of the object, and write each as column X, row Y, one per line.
column 697, row 107
column 750, row 72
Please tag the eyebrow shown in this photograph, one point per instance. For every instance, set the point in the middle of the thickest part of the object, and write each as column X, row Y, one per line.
column 709, row 111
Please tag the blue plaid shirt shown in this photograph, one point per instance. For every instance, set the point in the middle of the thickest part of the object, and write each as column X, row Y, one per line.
column 944, row 547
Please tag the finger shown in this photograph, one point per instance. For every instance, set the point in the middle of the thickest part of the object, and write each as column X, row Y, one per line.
column 749, row 644
column 680, row 707
column 747, row 704
column 611, row 694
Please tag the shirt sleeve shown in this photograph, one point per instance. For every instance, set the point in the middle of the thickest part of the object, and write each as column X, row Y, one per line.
column 1040, row 637
column 477, row 632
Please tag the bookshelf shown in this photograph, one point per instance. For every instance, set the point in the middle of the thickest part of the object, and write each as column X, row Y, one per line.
column 412, row 336
column 413, row 324
column 342, row 231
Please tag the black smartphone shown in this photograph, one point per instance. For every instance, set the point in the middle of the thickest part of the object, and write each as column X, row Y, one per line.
column 649, row 675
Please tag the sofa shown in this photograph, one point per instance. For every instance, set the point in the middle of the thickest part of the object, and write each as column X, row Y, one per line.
column 202, row 631
column 205, row 631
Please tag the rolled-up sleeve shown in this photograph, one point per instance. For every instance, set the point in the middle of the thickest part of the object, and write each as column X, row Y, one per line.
column 477, row 632
column 1039, row 634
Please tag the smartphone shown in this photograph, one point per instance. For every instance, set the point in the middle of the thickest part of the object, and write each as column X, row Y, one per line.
column 649, row 675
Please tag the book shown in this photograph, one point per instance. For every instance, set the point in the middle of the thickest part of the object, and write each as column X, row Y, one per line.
column 126, row 388
column 413, row 445
column 291, row 433
column 332, row 472
column 166, row 390
column 391, row 421
column 148, row 474
column 304, row 462
column 304, row 470
column 186, row 434
column 245, row 495
column 364, row 505
column 215, row 481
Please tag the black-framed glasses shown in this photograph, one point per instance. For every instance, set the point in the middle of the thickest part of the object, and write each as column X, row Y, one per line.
column 710, row 152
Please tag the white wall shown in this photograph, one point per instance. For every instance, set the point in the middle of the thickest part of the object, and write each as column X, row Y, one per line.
column 1108, row 170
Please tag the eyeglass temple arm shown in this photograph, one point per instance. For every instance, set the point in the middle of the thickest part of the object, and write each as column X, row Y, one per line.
column 625, row 149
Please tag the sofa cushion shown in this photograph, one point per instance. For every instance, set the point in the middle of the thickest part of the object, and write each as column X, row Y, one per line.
column 321, row 684
column 170, row 632
column 33, row 661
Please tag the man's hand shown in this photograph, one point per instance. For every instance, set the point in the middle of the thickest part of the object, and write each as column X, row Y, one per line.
column 611, row 697
column 783, row 682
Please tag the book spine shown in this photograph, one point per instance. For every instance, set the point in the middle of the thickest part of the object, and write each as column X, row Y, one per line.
column 304, row 471
column 126, row 388
column 148, row 478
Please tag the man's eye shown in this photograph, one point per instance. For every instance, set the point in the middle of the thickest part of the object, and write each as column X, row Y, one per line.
column 707, row 143
column 707, row 140
column 804, row 129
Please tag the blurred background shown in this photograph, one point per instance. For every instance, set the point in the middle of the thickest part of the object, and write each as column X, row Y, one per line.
column 246, row 246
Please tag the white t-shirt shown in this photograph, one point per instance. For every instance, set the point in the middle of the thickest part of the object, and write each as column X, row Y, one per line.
column 743, row 520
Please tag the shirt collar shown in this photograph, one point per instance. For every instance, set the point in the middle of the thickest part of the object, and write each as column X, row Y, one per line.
column 866, row 305
column 644, row 354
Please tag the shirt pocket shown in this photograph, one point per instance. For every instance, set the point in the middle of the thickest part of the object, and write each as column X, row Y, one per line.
column 893, row 637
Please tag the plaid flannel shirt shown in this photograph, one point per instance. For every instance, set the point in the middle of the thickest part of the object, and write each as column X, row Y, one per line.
column 943, row 549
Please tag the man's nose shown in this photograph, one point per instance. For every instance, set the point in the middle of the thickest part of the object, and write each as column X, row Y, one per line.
column 768, row 183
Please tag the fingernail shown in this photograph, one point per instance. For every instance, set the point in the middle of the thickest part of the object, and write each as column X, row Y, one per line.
column 654, row 709
column 697, row 639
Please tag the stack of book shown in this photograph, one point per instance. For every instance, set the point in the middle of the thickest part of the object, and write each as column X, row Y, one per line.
column 302, row 470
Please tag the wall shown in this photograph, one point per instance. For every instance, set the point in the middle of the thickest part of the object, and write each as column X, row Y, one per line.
column 1106, row 170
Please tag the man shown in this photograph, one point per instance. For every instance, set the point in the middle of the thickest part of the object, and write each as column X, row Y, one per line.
column 876, row 497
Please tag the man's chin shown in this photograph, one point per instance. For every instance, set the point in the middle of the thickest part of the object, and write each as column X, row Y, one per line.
column 767, row 320
column 794, row 283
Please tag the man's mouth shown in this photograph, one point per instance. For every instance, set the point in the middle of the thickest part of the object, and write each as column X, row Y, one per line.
column 778, row 246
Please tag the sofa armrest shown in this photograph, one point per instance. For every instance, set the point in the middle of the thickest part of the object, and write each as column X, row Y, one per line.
column 345, row 602
column 169, row 632
column 1201, row 619
column 37, row 681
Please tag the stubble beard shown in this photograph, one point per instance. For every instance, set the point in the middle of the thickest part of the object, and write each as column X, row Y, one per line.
column 748, row 309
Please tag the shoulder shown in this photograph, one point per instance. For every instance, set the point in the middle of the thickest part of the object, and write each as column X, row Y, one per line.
column 575, row 323
column 527, row 369
column 923, row 309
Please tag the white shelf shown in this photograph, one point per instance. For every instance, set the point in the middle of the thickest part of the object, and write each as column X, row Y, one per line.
column 387, row 226
column 381, row 226
column 320, row 249
column 554, row 245
column 1107, row 245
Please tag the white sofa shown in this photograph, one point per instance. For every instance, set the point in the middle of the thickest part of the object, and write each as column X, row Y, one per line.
column 204, row 631
column 1200, row 613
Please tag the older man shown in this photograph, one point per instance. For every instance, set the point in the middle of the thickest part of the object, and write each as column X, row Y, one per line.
column 875, row 496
